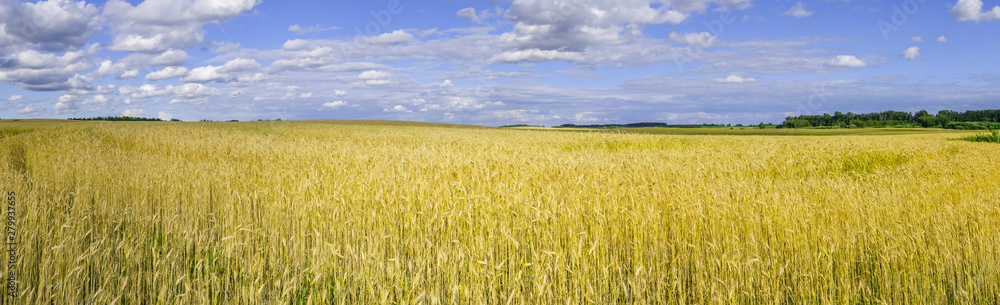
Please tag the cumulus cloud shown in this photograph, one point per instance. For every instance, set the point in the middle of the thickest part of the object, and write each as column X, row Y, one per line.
column 575, row 25
column 192, row 93
column 447, row 83
column 128, row 74
column 398, row 36
column 166, row 58
column 397, row 108
column 846, row 61
column 333, row 105
column 170, row 57
column 917, row 39
column 37, row 71
column 108, row 67
column 942, row 39
column 217, row 73
column 703, row 39
column 736, row 79
column 29, row 109
column 972, row 10
column 340, row 92
column 468, row 14
column 14, row 98
column 911, row 53
column 53, row 25
column 159, row 25
column 303, row 56
column 798, row 11
column 142, row 92
column 66, row 104
column 375, row 77
column 298, row 44
column 535, row 55
column 99, row 99
column 163, row 115
column 168, row 72
column 186, row 93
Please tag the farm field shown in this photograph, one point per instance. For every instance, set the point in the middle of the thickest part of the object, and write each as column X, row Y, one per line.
column 360, row 212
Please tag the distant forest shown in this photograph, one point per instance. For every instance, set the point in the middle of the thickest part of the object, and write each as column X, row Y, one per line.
column 969, row 120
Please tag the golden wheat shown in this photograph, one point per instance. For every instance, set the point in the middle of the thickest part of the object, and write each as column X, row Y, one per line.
column 351, row 213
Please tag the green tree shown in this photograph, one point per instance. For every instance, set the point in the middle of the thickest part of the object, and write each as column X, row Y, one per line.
column 927, row 120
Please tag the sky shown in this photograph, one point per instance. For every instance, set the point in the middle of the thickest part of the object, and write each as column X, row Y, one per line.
column 491, row 63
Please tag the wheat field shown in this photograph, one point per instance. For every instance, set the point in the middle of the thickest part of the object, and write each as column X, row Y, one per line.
column 372, row 213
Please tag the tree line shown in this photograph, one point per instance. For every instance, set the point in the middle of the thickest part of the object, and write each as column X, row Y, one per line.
column 969, row 120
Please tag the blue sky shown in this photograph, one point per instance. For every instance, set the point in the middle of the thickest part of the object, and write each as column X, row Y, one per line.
column 542, row 62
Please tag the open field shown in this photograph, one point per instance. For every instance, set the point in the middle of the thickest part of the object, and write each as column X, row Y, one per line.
column 763, row 132
column 376, row 213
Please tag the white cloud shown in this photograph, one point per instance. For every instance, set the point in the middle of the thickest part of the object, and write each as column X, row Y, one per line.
column 37, row 71
column 457, row 103
column 240, row 65
column 942, row 39
column 376, row 82
column 917, row 39
column 203, row 74
column 333, row 105
column 108, row 67
column 397, row 108
column 576, row 25
column 340, row 92
column 163, row 115
column 535, row 55
column 911, row 53
column 298, row 29
column 134, row 112
column 374, row 75
column 398, row 36
column 159, row 25
column 306, row 95
column 53, row 25
column 144, row 91
column 972, row 10
column 187, row 93
column 66, row 104
column 298, row 44
column 447, row 83
column 216, row 73
column 226, row 47
column 303, row 57
column 129, row 74
column 168, row 72
column 703, row 39
column 846, row 61
column 191, row 93
column 170, row 57
column 14, row 98
column 30, row 109
column 468, row 14
column 99, row 99
column 736, row 79
column 798, row 11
